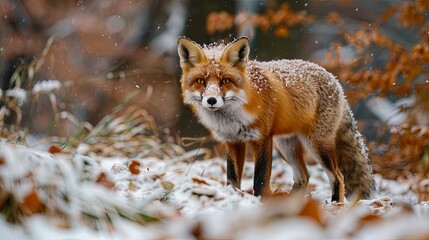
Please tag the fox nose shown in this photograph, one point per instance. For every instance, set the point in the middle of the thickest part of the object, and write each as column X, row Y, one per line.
column 212, row 101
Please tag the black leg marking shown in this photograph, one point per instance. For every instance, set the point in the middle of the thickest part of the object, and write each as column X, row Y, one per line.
column 234, row 163
column 263, row 164
column 335, row 182
column 335, row 191
column 231, row 172
column 260, row 174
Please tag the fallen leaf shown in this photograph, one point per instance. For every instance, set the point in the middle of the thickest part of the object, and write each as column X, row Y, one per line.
column 167, row 185
column 158, row 176
column 105, row 181
column 132, row 187
column 366, row 220
column 54, row 149
column 370, row 218
column 311, row 209
column 279, row 193
column 134, row 167
column 32, row 202
column 200, row 181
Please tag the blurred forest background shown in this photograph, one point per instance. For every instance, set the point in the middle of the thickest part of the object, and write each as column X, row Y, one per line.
column 112, row 52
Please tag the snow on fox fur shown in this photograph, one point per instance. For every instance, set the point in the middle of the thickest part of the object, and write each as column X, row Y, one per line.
column 288, row 104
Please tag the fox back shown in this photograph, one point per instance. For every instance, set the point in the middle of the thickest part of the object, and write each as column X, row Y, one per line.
column 292, row 103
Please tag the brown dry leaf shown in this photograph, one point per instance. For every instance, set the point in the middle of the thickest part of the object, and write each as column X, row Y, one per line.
column 279, row 193
column 370, row 218
column 367, row 219
column 134, row 167
column 200, row 181
column 380, row 205
column 32, row 202
column 158, row 176
column 105, row 181
column 132, row 187
column 2, row 161
column 167, row 185
column 54, row 149
column 311, row 209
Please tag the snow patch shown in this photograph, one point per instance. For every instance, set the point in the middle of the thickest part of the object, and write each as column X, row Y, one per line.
column 17, row 93
column 46, row 86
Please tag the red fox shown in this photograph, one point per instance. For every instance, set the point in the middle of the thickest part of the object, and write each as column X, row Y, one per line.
column 291, row 104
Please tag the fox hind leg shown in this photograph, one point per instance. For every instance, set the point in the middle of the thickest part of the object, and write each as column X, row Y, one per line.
column 291, row 150
column 326, row 154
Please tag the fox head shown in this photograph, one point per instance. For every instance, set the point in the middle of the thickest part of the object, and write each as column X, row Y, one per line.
column 214, row 77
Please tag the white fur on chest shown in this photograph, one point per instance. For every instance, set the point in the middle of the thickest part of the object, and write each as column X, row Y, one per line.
column 229, row 124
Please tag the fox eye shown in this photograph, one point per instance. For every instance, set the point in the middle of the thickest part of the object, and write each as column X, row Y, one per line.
column 200, row 81
column 226, row 80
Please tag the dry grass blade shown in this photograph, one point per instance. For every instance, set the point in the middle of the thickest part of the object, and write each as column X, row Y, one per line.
column 64, row 186
column 131, row 132
column 16, row 94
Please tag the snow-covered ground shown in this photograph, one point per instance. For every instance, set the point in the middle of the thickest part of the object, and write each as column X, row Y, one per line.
column 93, row 197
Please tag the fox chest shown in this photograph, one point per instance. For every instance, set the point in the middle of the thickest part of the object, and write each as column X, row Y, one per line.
column 229, row 125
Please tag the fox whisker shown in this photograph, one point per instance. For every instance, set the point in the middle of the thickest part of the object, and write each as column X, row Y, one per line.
column 195, row 99
column 233, row 98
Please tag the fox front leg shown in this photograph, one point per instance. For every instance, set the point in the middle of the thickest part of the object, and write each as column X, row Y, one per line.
column 235, row 153
column 263, row 163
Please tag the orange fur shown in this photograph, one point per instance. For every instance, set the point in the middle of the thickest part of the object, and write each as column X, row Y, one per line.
column 288, row 104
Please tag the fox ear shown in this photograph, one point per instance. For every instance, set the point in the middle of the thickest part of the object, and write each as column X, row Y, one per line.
column 237, row 53
column 190, row 53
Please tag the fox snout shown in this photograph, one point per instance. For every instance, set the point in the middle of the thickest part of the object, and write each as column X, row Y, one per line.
column 212, row 100
column 212, row 103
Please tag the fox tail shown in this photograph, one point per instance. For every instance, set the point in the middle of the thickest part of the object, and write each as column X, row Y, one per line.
column 353, row 159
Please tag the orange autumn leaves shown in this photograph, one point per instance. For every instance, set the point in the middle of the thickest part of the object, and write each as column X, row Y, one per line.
column 397, row 75
column 406, row 63
column 278, row 20
column 412, row 13
column 408, row 152
column 385, row 65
